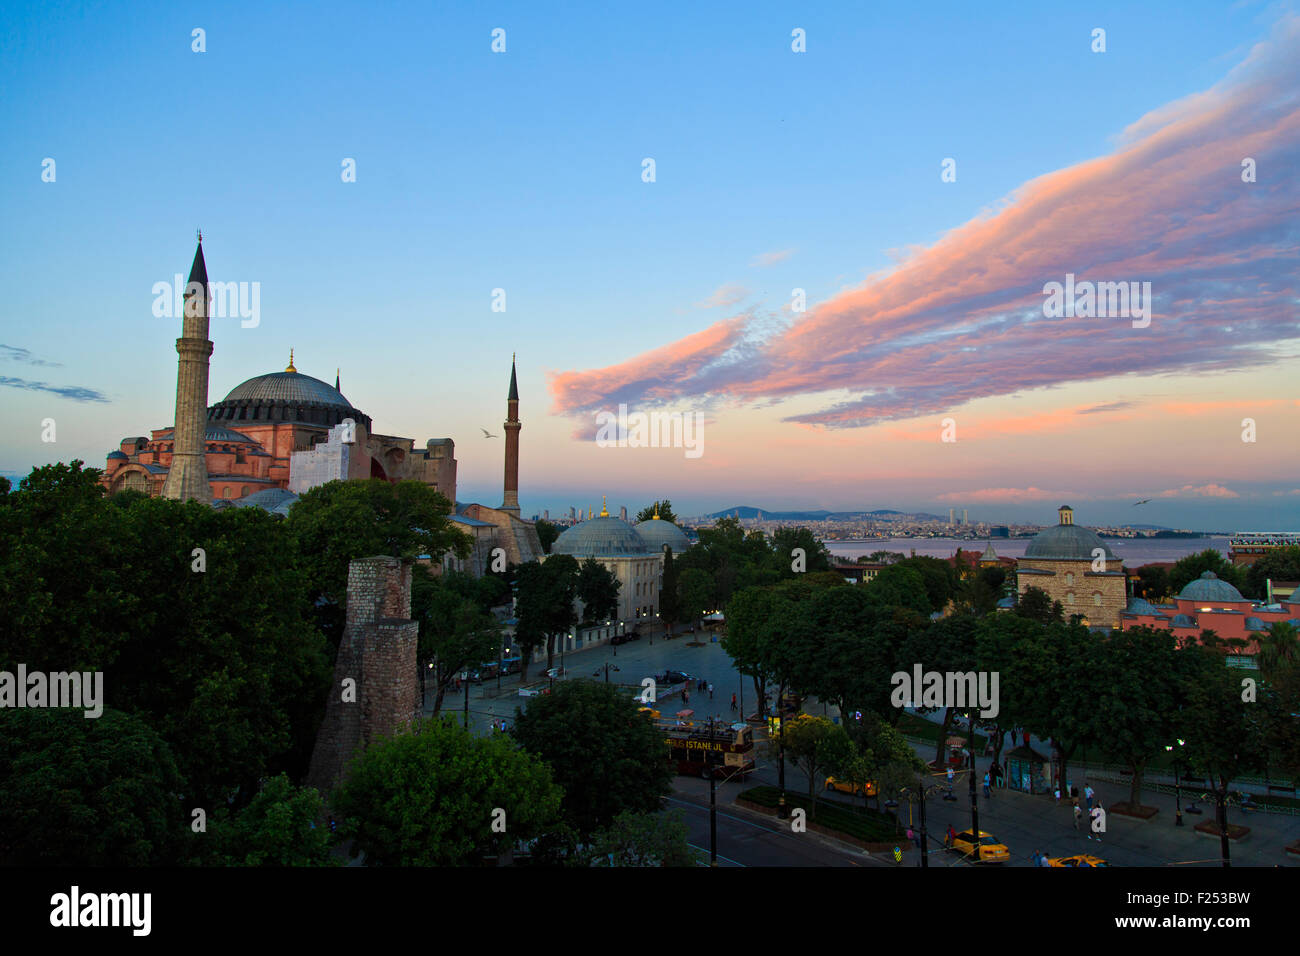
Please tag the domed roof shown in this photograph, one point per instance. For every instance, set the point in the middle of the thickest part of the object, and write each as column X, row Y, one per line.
column 1255, row 624
column 1140, row 606
column 1067, row 542
column 292, row 387
column 1209, row 587
column 604, row 536
column 112, row 455
column 274, row 500
column 213, row 432
column 656, row 532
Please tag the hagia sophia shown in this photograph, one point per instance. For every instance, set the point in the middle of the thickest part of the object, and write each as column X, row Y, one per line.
column 279, row 434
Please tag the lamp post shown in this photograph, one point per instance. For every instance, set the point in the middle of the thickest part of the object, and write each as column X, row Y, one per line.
column 465, row 678
column 921, row 792
column 781, row 811
column 1178, row 789
column 974, row 801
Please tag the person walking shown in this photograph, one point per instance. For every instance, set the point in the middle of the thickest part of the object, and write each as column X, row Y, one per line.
column 1088, row 795
column 733, row 703
column 949, row 776
column 710, row 691
column 1078, row 812
column 986, row 784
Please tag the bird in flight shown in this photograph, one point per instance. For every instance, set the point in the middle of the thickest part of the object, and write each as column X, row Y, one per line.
column 486, row 435
column 1142, row 502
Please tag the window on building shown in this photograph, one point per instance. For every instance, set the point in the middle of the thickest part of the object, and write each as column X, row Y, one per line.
column 1096, row 598
column 1069, row 597
column 227, row 492
column 1069, row 578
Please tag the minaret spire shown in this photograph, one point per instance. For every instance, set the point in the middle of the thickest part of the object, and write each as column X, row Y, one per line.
column 512, row 427
column 187, row 479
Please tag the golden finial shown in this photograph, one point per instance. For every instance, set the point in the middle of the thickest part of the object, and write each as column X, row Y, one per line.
column 588, row 512
column 656, row 514
column 200, row 236
column 604, row 511
column 291, row 368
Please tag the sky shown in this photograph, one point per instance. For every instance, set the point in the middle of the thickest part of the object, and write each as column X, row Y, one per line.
column 774, row 170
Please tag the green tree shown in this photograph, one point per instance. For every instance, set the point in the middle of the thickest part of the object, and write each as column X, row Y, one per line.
column 1282, row 564
column 881, row 557
column 670, row 605
column 546, row 592
column 1152, row 583
column 940, row 578
column 642, row 839
column 607, row 757
column 597, row 589
column 279, row 828
column 899, row 586
column 86, row 792
column 1036, row 605
column 814, row 744
column 947, row 645
column 786, row 540
column 547, row 532
column 335, row 523
column 1190, row 568
column 694, row 593
column 665, row 512
column 456, row 632
column 430, row 798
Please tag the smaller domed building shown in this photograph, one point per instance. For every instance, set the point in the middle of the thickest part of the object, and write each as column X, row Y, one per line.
column 1210, row 603
column 1074, row 566
column 620, row 548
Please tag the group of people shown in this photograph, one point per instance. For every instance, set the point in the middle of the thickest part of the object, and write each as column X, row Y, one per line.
column 1094, row 809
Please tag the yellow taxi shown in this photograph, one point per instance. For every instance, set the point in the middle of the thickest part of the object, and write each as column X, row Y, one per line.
column 989, row 849
column 855, row 789
column 654, row 714
column 1083, row 859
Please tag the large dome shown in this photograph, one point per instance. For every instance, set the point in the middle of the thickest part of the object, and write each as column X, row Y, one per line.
column 600, row 537
column 1067, row 542
column 287, row 396
column 656, row 532
column 288, row 387
column 1209, row 587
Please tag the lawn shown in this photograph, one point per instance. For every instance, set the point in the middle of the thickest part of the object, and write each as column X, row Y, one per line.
column 872, row 826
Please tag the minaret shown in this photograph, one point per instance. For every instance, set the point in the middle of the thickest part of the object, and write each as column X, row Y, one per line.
column 512, row 426
column 188, row 477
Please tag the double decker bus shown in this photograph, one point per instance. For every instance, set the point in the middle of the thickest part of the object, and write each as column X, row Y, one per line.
column 708, row 748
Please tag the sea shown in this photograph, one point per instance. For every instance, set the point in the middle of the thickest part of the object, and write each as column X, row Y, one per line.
column 1133, row 551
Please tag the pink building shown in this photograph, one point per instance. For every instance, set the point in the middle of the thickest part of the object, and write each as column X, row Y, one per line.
column 1211, row 604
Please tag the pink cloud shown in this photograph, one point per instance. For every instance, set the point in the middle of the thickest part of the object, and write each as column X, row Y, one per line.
column 1211, row 490
column 962, row 319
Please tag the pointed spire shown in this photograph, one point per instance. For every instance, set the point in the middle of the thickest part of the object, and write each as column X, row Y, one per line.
column 291, row 368
column 199, row 270
column 336, row 380
column 604, row 509
column 514, row 385
column 655, row 516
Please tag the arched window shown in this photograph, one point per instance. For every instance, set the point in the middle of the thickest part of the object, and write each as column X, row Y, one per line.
column 243, row 492
column 1069, row 597
column 1096, row 598
column 1069, row 579
column 227, row 492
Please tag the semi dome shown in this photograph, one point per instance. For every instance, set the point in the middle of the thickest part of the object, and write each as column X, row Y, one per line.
column 275, row 500
column 1067, row 542
column 1140, row 606
column 213, row 432
column 603, row 536
column 114, row 455
column 656, row 532
column 1210, row 588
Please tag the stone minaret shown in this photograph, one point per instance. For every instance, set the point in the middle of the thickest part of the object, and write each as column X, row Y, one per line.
column 512, row 427
column 188, row 477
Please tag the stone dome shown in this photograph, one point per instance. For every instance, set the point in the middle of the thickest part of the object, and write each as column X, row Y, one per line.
column 1210, row 588
column 287, row 396
column 114, row 455
column 213, row 432
column 275, row 500
column 1067, row 542
column 604, row 536
column 656, row 532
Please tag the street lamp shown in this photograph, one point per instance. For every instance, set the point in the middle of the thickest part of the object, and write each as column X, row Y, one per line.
column 920, row 793
column 974, row 803
column 1178, row 790
column 465, row 678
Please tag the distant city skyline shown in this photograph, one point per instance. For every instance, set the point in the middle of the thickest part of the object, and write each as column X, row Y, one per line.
column 781, row 179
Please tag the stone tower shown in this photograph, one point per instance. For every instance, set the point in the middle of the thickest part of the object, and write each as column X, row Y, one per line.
column 512, row 426
column 188, row 477
column 376, row 684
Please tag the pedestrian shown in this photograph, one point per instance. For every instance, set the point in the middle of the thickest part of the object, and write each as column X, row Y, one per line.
column 949, row 777
column 986, row 784
column 1058, row 794
column 1078, row 814
column 733, row 703
column 949, row 836
column 710, row 692
column 1088, row 793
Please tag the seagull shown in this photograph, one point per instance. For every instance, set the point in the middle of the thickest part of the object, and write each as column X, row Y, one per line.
column 1142, row 502
column 486, row 435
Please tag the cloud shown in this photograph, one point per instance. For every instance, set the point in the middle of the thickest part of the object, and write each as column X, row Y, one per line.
column 724, row 295
column 763, row 260
column 22, row 355
column 1211, row 490
column 76, row 393
column 1108, row 407
column 962, row 319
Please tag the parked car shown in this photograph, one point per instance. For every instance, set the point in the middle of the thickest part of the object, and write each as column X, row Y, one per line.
column 989, row 850
column 672, row 677
column 855, row 789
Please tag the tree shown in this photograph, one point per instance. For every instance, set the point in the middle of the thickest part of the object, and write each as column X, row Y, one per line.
column 86, row 792
column 597, row 589
column 456, row 632
column 941, row 579
column 899, row 586
column 278, row 828
column 980, row 593
column 607, row 757
column 670, row 605
column 784, row 543
column 694, row 593
column 1279, row 665
column 814, row 744
column 547, row 532
column 665, row 512
column 881, row 557
column 1152, row 583
column 642, row 839
column 1190, row 568
column 1036, row 605
column 946, row 646
column 1063, row 684
column 431, row 797
column 546, row 592
column 337, row 522
column 1281, row 564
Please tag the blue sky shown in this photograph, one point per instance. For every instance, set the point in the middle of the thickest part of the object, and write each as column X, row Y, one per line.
column 522, row 171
